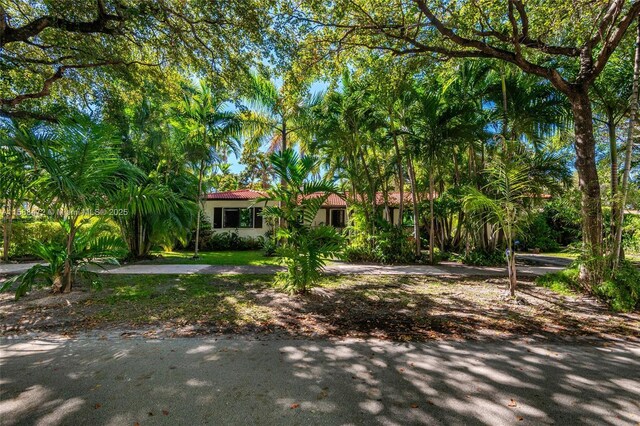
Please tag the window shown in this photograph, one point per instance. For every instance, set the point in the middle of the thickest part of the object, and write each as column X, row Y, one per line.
column 217, row 217
column 237, row 218
column 246, row 218
column 231, row 218
column 257, row 217
column 338, row 218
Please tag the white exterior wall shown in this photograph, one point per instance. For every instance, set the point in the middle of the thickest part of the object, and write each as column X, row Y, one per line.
column 242, row 232
column 209, row 205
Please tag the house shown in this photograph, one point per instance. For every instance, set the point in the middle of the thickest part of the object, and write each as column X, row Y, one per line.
column 240, row 212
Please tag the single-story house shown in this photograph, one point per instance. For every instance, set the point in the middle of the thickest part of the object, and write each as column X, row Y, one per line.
column 238, row 211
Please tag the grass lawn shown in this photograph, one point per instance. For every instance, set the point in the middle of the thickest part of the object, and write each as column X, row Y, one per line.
column 388, row 307
column 248, row 257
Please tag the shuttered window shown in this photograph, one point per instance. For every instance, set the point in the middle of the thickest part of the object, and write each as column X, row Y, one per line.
column 217, row 217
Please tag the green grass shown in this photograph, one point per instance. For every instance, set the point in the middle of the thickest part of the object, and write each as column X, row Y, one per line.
column 226, row 301
column 248, row 257
column 563, row 282
column 562, row 255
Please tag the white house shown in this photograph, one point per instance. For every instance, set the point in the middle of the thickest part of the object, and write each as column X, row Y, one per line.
column 238, row 211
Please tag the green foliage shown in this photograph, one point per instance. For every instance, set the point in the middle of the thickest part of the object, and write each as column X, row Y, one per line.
column 391, row 245
column 229, row 240
column 563, row 282
column 93, row 244
column 631, row 233
column 304, row 249
column 45, row 231
column 537, row 234
column 479, row 257
column 620, row 291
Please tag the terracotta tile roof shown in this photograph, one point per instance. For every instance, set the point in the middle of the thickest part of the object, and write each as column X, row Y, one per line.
column 240, row 194
column 333, row 200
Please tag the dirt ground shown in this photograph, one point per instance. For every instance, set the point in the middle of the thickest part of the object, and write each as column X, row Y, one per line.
column 399, row 308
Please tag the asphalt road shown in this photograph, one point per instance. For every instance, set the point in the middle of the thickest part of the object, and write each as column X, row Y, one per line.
column 112, row 380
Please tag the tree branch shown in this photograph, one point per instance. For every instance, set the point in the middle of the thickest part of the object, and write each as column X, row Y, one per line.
column 9, row 34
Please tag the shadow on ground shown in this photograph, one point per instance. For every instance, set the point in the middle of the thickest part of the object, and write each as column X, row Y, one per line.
column 118, row 381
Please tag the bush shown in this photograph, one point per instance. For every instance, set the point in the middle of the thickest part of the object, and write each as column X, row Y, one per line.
column 269, row 244
column 23, row 232
column 479, row 257
column 392, row 245
column 631, row 233
column 217, row 241
column 563, row 282
column 539, row 235
column 48, row 232
column 621, row 292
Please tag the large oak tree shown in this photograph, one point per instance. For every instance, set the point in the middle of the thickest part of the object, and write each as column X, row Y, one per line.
column 566, row 42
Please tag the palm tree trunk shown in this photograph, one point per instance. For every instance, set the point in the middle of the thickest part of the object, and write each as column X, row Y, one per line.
column 6, row 234
column 400, row 177
column 432, row 221
column 613, row 150
column 67, row 274
column 199, row 203
column 414, row 199
column 617, row 246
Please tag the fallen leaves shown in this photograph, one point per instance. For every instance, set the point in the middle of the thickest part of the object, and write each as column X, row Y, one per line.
column 512, row 403
column 294, row 406
column 97, row 406
column 414, row 405
column 165, row 412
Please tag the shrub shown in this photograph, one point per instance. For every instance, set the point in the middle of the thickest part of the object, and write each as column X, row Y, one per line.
column 392, row 245
column 217, row 241
column 269, row 244
column 563, row 282
column 23, row 232
column 621, row 292
column 538, row 234
column 631, row 233
column 479, row 257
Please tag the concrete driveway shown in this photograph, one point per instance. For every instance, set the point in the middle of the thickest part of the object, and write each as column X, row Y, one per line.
column 128, row 381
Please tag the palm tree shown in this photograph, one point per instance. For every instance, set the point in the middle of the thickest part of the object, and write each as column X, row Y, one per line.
column 16, row 178
column 305, row 248
column 514, row 184
column 79, row 171
column 210, row 130
column 276, row 117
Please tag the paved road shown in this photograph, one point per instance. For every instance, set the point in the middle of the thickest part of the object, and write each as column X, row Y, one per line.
column 443, row 269
column 118, row 381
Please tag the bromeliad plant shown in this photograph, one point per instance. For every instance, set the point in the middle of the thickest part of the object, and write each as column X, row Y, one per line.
column 303, row 247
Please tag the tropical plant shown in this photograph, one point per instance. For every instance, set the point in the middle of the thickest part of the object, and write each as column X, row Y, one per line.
column 92, row 245
column 304, row 248
column 79, row 171
column 210, row 130
column 506, row 201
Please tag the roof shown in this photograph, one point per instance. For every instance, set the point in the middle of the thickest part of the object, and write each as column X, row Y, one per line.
column 334, row 200
column 240, row 194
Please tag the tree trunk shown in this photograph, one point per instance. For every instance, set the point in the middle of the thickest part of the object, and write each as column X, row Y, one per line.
column 400, row 177
column 414, row 199
column 633, row 111
column 199, row 203
column 613, row 150
column 6, row 229
column 67, row 274
column 592, row 270
column 432, row 219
